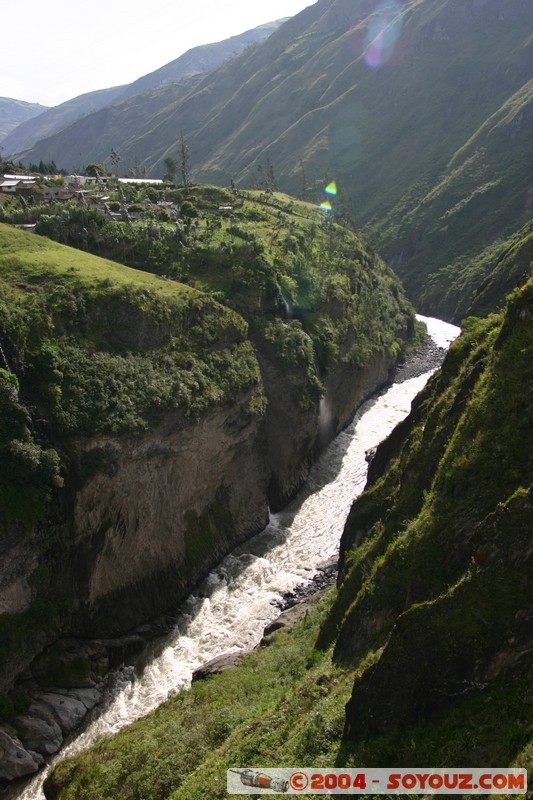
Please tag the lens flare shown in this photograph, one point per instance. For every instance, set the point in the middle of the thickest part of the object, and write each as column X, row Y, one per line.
column 326, row 206
column 331, row 188
column 383, row 32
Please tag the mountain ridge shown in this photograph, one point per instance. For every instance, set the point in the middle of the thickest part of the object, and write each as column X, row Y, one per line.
column 419, row 143
column 195, row 61
column 16, row 112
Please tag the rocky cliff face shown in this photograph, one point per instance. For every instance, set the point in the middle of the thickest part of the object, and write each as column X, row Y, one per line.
column 149, row 429
column 168, row 507
column 435, row 567
column 147, row 516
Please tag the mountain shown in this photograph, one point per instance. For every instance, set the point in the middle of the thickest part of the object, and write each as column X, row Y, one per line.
column 505, row 267
column 55, row 119
column 14, row 113
column 118, row 385
column 422, row 113
column 201, row 59
column 428, row 635
column 194, row 62
column 429, row 631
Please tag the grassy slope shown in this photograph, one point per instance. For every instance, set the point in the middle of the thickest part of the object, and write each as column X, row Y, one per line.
column 284, row 706
column 75, row 327
column 447, row 601
column 269, row 244
column 93, row 347
column 478, row 201
column 505, row 266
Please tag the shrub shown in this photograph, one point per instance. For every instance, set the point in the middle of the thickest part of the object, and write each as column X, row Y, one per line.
column 188, row 210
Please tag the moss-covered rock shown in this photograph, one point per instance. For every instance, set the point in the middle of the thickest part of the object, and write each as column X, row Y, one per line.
column 442, row 577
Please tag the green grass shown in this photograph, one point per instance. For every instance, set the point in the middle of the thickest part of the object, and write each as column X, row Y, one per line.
column 24, row 257
column 270, row 244
column 466, row 451
column 111, row 348
column 284, row 707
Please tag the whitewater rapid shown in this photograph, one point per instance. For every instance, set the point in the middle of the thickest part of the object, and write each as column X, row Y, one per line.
column 230, row 609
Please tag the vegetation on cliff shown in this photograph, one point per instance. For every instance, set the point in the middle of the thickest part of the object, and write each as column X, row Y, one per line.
column 432, row 614
column 277, row 297
column 261, row 253
column 91, row 347
column 104, row 348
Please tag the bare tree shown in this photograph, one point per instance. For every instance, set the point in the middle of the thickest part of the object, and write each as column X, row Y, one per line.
column 185, row 167
column 270, row 177
column 303, row 181
column 115, row 160
column 171, row 168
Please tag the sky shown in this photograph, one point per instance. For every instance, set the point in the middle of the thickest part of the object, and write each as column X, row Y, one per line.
column 54, row 50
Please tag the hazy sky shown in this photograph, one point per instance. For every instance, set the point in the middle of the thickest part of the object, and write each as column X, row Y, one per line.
column 53, row 50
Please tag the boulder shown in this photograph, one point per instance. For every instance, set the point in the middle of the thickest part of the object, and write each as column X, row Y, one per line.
column 89, row 697
column 36, row 733
column 216, row 665
column 15, row 761
column 67, row 711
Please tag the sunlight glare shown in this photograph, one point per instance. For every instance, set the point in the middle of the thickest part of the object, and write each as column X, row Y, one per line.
column 383, row 32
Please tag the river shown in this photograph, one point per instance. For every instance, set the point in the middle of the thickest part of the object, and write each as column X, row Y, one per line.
column 230, row 609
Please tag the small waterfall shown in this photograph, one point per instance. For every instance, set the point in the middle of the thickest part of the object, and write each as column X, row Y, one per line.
column 325, row 421
column 285, row 304
column 3, row 359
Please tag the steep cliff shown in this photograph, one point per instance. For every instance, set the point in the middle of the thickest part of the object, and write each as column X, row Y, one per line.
column 130, row 406
column 428, row 637
column 327, row 318
column 142, row 418
column 436, row 572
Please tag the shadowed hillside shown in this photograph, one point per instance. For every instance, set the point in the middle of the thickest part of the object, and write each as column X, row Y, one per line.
column 14, row 113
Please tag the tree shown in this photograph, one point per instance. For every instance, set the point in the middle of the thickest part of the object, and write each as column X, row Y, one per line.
column 259, row 177
column 270, row 177
column 185, row 167
column 115, row 160
column 303, row 181
column 95, row 170
column 44, row 168
column 171, row 166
